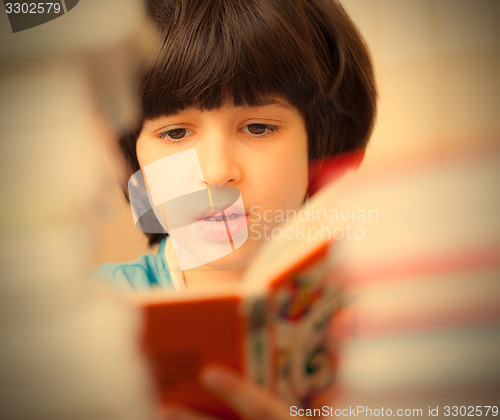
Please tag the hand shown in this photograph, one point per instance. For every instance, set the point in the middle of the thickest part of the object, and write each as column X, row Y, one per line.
column 244, row 397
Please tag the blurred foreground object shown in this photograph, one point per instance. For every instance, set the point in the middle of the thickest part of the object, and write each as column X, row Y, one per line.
column 421, row 328
column 68, row 345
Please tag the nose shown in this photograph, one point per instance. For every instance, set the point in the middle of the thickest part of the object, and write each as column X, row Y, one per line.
column 218, row 159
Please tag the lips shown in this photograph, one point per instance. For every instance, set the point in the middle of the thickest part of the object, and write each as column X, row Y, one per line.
column 223, row 224
column 234, row 211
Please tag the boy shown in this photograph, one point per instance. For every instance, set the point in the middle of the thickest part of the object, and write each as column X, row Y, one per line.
column 259, row 90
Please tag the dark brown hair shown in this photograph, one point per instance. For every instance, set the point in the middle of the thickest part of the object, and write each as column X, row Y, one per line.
column 307, row 52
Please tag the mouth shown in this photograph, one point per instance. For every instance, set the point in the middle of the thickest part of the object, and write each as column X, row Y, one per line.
column 220, row 218
column 222, row 224
column 219, row 214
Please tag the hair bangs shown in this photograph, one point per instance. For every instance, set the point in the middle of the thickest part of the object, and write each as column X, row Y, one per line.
column 228, row 52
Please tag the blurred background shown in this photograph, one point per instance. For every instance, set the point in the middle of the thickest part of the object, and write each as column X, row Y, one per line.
column 437, row 65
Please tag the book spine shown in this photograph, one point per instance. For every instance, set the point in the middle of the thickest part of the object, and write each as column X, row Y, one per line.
column 256, row 346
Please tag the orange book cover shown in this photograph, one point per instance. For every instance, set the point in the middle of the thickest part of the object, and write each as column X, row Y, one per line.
column 273, row 333
column 180, row 337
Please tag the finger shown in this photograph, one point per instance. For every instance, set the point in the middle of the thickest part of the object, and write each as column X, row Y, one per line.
column 244, row 397
column 182, row 413
column 326, row 397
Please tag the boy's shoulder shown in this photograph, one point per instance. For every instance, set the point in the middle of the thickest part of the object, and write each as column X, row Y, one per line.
column 146, row 272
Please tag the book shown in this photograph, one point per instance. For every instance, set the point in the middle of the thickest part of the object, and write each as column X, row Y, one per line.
column 271, row 327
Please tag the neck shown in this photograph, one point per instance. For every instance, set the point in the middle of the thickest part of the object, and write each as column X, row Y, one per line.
column 203, row 275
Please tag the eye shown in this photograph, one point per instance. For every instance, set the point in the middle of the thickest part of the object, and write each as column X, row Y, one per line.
column 259, row 129
column 174, row 135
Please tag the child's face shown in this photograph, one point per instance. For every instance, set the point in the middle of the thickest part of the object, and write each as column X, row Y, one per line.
column 261, row 151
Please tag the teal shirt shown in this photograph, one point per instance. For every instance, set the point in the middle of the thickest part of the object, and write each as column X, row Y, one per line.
column 146, row 272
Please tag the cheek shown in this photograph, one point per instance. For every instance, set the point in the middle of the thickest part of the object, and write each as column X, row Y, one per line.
column 144, row 151
column 296, row 182
column 284, row 179
column 294, row 168
column 149, row 150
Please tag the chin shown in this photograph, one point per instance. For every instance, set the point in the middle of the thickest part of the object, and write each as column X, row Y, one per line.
column 238, row 259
